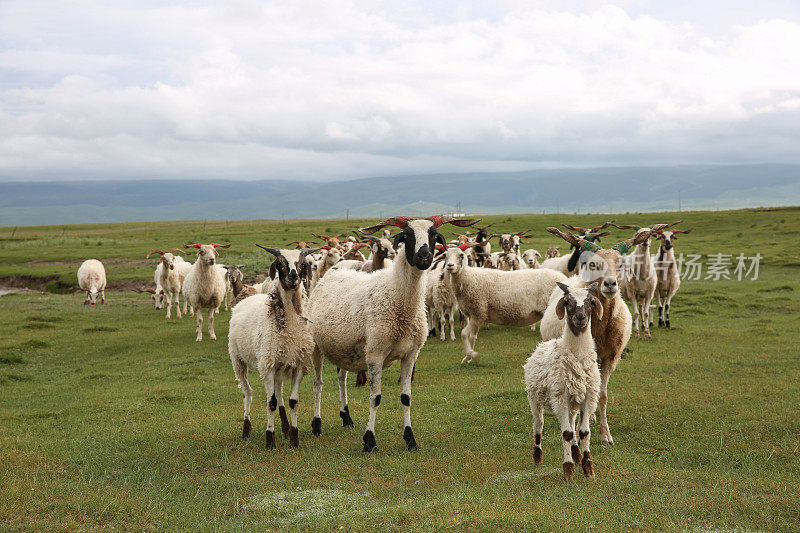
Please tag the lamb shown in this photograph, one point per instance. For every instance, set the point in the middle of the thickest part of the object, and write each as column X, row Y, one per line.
column 205, row 286
column 517, row 298
column 240, row 290
column 92, row 279
column 509, row 261
column 530, row 258
column 552, row 251
column 330, row 256
column 493, row 261
column 169, row 281
column 366, row 321
column 440, row 296
column 352, row 253
column 561, row 376
column 612, row 330
column 484, row 249
column 269, row 333
column 638, row 282
column 668, row 277
column 568, row 264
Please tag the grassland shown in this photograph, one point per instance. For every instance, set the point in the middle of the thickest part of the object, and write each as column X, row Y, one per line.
column 114, row 417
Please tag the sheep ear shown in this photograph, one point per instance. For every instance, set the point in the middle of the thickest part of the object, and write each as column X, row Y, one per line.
column 563, row 287
column 560, row 308
column 597, row 309
column 273, row 269
column 398, row 239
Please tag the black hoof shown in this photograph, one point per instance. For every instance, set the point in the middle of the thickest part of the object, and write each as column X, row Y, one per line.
column 408, row 436
column 369, row 442
column 270, row 439
column 284, row 421
column 316, row 426
column 345, row 416
column 294, row 438
column 246, row 428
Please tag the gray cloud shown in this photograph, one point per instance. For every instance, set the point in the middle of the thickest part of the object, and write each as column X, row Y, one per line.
column 320, row 91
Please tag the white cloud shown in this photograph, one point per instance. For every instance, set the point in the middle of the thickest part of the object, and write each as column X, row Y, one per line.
column 322, row 90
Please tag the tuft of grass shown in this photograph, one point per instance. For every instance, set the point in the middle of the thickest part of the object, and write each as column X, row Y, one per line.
column 96, row 329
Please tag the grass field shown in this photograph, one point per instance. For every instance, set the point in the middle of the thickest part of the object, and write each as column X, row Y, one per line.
column 112, row 416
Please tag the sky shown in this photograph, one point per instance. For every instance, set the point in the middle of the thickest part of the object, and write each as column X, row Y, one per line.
column 322, row 90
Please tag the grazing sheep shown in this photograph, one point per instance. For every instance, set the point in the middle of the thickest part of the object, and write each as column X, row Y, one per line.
column 205, row 285
column 669, row 279
column 92, row 279
column 517, row 298
column 270, row 333
column 561, row 376
column 612, row 331
column 530, row 258
column 366, row 321
column 170, row 280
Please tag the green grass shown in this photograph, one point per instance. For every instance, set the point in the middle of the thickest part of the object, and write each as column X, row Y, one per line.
column 113, row 416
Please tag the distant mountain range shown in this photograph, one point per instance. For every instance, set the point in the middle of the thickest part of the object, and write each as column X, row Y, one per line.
column 566, row 190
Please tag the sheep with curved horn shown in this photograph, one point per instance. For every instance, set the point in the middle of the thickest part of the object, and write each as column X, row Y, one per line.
column 270, row 333
column 611, row 332
column 639, row 278
column 301, row 245
column 205, row 285
column 169, row 279
column 366, row 321
column 568, row 264
column 668, row 278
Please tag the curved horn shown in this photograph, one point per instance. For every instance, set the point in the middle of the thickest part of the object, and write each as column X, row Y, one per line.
column 438, row 220
column 195, row 245
column 154, row 252
column 577, row 229
column 178, row 250
column 683, row 230
column 627, row 226
column 308, row 251
column 624, row 246
column 274, row 251
column 574, row 240
column 660, row 227
column 215, row 245
column 602, row 226
column 400, row 222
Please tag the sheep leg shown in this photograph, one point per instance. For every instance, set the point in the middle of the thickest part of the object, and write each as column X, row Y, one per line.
column 374, row 372
column 185, row 304
column 565, row 421
column 178, row 304
column 316, row 423
column 584, row 435
column 240, row 369
column 103, row 297
column 660, row 310
column 646, row 317
column 168, row 297
column 606, row 368
column 88, row 298
column 211, row 325
column 666, row 310
column 406, row 368
column 451, row 319
column 431, row 322
column 442, row 322
column 199, row 324
column 468, row 336
column 279, row 377
column 538, row 423
column 272, row 404
column 635, row 305
column 294, row 400
column 344, row 410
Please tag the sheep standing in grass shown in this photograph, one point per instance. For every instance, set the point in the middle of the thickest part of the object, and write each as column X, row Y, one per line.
column 92, row 279
column 170, row 280
column 561, row 376
column 669, row 279
column 612, row 330
column 205, row 286
column 517, row 298
column 270, row 333
column 366, row 321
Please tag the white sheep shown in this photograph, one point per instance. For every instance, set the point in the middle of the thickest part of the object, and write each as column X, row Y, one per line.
column 92, row 279
column 613, row 330
column 205, row 286
column 441, row 298
column 366, row 321
column 270, row 333
column 328, row 258
column 517, row 298
column 530, row 258
column 170, row 281
column 561, row 376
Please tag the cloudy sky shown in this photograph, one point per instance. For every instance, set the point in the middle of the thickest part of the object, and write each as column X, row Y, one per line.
column 331, row 90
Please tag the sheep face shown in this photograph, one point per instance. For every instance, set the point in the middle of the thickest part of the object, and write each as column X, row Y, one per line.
column 455, row 260
column 419, row 237
column 531, row 258
column 668, row 238
column 207, row 254
column 602, row 267
column 552, row 251
column 290, row 266
column 579, row 305
column 234, row 275
column 168, row 260
column 92, row 296
column 383, row 248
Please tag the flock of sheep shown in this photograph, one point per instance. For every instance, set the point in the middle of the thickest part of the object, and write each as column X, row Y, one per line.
column 363, row 314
